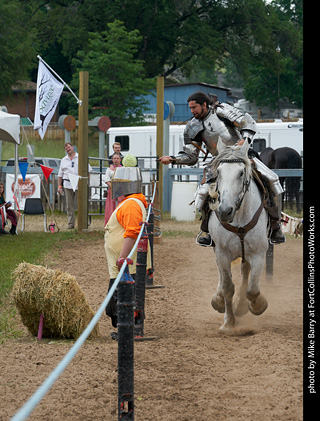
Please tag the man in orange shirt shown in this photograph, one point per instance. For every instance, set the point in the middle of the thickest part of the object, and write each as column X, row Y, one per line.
column 124, row 226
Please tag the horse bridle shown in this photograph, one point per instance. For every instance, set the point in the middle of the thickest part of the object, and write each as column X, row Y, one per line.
column 246, row 181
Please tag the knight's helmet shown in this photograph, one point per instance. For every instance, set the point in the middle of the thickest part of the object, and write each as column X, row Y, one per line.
column 127, row 179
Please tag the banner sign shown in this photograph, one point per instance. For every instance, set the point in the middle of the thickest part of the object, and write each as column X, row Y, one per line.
column 31, row 187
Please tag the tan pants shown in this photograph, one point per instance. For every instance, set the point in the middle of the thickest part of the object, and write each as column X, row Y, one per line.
column 72, row 203
column 114, row 242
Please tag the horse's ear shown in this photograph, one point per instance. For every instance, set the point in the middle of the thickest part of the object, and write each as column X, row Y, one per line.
column 245, row 147
column 220, row 145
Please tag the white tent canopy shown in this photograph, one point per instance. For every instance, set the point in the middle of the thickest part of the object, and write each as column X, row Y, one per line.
column 10, row 127
column 10, row 132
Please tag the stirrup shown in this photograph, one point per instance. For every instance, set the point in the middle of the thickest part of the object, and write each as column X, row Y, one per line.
column 203, row 245
column 276, row 242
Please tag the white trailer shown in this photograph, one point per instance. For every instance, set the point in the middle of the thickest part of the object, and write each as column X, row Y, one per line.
column 142, row 140
column 279, row 134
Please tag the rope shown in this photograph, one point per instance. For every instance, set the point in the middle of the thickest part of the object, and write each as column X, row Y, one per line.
column 29, row 406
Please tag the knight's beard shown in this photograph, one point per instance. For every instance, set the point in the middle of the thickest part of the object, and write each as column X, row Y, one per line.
column 199, row 116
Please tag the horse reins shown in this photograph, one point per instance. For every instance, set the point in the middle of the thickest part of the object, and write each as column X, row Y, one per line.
column 245, row 183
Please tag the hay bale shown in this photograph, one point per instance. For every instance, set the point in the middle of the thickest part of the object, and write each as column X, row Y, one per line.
column 55, row 294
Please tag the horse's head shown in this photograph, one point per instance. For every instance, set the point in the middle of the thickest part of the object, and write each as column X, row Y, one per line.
column 232, row 173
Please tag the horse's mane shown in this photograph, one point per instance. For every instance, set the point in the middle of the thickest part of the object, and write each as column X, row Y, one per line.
column 231, row 152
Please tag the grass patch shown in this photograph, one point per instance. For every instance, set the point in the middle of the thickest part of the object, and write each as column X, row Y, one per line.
column 292, row 212
column 178, row 233
column 51, row 148
column 33, row 247
column 8, row 329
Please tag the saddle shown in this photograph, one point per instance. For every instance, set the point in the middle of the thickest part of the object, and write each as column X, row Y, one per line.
column 269, row 204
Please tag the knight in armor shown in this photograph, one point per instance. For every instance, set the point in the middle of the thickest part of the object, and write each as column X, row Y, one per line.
column 210, row 122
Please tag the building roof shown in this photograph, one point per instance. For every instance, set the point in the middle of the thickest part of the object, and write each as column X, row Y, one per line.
column 207, row 85
column 28, row 86
column 25, row 86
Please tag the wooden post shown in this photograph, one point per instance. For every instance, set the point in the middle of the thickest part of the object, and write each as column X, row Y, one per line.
column 160, row 112
column 83, row 151
column 125, row 311
column 140, row 282
column 157, row 236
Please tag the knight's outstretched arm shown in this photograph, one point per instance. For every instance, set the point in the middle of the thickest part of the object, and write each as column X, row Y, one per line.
column 188, row 156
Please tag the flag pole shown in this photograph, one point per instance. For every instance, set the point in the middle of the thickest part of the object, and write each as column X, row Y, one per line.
column 65, row 84
column 83, row 152
column 160, row 112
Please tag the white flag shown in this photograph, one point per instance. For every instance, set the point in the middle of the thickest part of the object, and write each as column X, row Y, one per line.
column 74, row 179
column 49, row 90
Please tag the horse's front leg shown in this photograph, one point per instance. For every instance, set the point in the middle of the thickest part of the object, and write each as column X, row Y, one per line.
column 257, row 302
column 229, row 319
column 240, row 303
column 226, row 289
column 217, row 300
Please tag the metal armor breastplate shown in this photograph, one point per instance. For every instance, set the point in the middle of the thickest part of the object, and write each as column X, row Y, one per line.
column 215, row 128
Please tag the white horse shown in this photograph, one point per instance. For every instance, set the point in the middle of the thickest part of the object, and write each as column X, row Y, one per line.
column 239, row 228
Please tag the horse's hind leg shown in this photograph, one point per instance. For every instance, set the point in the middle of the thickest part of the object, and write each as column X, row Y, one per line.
column 240, row 302
column 257, row 302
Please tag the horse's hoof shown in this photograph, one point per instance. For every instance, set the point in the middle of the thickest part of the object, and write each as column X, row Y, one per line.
column 258, row 306
column 217, row 303
column 227, row 328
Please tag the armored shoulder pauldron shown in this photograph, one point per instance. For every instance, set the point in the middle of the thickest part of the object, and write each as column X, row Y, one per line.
column 193, row 127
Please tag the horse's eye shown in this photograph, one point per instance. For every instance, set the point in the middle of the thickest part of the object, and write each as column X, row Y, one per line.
column 241, row 174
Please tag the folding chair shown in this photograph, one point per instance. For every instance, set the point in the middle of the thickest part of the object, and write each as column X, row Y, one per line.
column 33, row 206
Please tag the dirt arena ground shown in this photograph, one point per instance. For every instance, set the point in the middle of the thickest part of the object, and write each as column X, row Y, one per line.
column 190, row 372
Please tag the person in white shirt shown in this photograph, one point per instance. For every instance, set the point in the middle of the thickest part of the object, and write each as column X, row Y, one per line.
column 69, row 165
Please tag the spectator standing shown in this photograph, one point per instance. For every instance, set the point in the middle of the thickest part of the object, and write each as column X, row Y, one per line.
column 111, row 204
column 69, row 165
column 116, row 149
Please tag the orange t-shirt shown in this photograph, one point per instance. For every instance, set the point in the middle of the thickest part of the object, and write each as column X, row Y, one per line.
column 129, row 215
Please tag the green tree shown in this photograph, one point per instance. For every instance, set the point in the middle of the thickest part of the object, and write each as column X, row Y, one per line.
column 116, row 79
column 17, row 54
column 272, row 69
column 195, row 39
column 249, row 32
